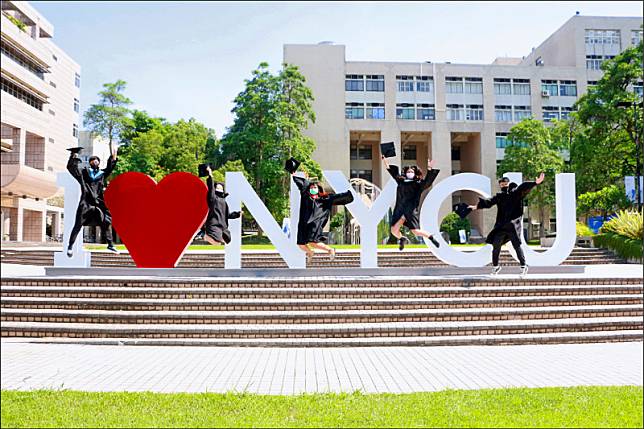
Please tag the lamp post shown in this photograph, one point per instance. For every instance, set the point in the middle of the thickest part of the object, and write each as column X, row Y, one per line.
column 638, row 171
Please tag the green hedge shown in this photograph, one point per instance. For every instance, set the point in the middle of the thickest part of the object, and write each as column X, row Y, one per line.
column 625, row 247
column 452, row 223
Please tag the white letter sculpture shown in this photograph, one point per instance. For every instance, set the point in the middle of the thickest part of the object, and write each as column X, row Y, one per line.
column 242, row 192
column 430, row 221
column 566, row 223
column 81, row 258
column 368, row 218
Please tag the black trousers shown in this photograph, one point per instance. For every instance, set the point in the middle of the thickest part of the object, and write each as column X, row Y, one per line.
column 106, row 230
column 501, row 239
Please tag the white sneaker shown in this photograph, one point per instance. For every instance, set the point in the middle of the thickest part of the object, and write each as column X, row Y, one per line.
column 70, row 253
column 332, row 255
column 524, row 270
column 496, row 270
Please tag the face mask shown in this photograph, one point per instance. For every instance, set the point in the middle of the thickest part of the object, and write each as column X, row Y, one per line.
column 410, row 175
column 219, row 193
column 504, row 190
column 313, row 191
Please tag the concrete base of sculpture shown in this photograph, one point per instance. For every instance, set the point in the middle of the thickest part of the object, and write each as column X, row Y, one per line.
column 400, row 273
column 79, row 260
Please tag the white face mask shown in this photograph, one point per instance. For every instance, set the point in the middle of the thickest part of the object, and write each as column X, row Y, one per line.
column 410, row 175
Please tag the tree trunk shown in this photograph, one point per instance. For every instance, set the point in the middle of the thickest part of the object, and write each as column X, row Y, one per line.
column 542, row 222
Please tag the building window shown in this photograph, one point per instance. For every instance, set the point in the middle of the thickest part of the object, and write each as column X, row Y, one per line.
column 637, row 88
column 473, row 85
column 501, row 140
column 636, row 37
column 550, row 113
column 521, row 86
column 502, row 87
column 503, row 113
column 454, row 85
column 375, row 111
column 21, row 94
column 565, row 112
column 424, row 84
column 474, row 112
column 405, row 83
column 409, row 152
column 549, row 87
column 521, row 113
column 354, row 111
column 354, row 82
column 425, row 112
column 75, row 130
column 405, row 111
column 360, row 152
column 602, row 40
column 591, row 84
column 454, row 112
column 568, row 88
column 593, row 62
column 363, row 174
column 376, row 83
column 22, row 60
column 77, row 80
column 76, row 105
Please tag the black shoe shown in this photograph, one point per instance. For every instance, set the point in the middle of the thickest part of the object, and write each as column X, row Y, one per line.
column 112, row 249
column 434, row 242
column 401, row 243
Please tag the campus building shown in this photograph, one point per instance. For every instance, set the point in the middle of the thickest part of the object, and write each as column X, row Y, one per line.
column 457, row 114
column 40, row 119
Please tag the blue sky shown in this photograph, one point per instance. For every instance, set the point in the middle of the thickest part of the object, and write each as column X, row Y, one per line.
column 189, row 59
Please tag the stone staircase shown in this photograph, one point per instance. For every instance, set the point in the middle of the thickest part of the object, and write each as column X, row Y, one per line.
column 329, row 311
column 350, row 258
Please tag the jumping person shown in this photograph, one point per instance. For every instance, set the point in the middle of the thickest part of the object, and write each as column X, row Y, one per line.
column 216, row 225
column 315, row 210
column 411, row 185
column 508, row 225
column 91, row 210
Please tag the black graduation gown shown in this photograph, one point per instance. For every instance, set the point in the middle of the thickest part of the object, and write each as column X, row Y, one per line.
column 408, row 196
column 91, row 207
column 216, row 225
column 315, row 212
column 509, row 212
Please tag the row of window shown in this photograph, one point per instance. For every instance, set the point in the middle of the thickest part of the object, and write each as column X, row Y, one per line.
column 562, row 87
column 508, row 113
column 468, row 112
column 511, row 86
column 460, row 85
column 594, row 62
column 551, row 113
column 503, row 142
column 421, row 112
column 365, row 152
column 21, row 94
column 415, row 83
column 610, row 37
column 22, row 60
column 358, row 82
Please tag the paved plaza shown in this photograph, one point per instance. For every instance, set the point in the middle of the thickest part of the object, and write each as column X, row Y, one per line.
column 286, row 371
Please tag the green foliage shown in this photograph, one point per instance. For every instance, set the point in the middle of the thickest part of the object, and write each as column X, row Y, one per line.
column 603, row 150
column 270, row 115
column 110, row 116
column 452, row 223
column 18, row 23
column 583, row 406
column 625, row 247
column 337, row 220
column 606, row 200
column 626, row 223
column 583, row 230
column 540, row 152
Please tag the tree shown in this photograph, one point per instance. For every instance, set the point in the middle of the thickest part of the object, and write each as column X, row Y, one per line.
column 536, row 148
column 110, row 115
column 607, row 149
column 141, row 148
column 270, row 115
column 607, row 200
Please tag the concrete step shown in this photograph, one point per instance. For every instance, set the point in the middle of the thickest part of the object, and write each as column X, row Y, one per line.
column 455, row 340
column 325, row 331
column 317, row 304
column 316, row 317
column 372, row 292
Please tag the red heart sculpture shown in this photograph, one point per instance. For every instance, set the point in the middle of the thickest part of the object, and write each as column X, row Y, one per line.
column 157, row 222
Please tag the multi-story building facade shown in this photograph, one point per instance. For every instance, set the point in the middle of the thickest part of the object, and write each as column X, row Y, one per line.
column 457, row 114
column 40, row 119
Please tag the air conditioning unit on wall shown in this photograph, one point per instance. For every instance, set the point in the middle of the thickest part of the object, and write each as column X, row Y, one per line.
column 545, row 94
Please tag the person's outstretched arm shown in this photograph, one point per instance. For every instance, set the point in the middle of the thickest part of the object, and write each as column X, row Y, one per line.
column 525, row 188
column 74, row 167
column 301, row 183
column 430, row 176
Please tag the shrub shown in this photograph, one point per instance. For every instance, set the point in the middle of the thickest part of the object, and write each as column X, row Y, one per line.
column 452, row 223
column 584, row 230
column 627, row 224
column 625, row 247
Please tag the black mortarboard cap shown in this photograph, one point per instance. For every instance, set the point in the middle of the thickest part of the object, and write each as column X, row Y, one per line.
column 388, row 149
column 75, row 149
column 291, row 165
column 203, row 169
column 462, row 210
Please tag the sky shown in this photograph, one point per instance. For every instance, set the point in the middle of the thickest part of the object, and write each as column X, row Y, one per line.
column 190, row 59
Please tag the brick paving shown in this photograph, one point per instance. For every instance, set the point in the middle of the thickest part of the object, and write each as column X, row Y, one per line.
column 286, row 371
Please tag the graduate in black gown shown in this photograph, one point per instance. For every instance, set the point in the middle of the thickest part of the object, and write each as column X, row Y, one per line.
column 216, row 225
column 411, row 185
column 315, row 210
column 509, row 218
column 91, row 210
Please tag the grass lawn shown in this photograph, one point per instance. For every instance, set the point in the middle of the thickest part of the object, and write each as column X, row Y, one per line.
column 546, row 407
